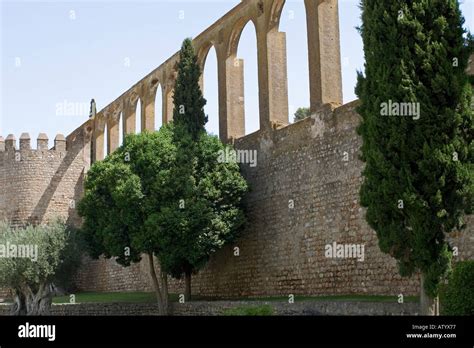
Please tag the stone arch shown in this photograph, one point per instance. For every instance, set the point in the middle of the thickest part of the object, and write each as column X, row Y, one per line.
column 236, row 34
column 133, row 97
column 112, row 118
column 152, row 84
column 210, row 88
column 271, row 63
column 121, row 129
column 158, row 107
column 129, row 117
column 292, row 23
column 277, row 10
column 275, row 14
column 98, row 138
column 148, row 89
column 138, row 112
column 203, row 52
column 105, row 142
column 169, row 75
column 99, row 122
column 249, row 98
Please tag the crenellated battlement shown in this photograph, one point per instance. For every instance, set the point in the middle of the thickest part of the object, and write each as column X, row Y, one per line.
column 42, row 143
column 20, row 152
column 42, row 181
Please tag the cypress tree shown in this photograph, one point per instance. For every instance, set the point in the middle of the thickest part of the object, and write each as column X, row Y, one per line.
column 418, row 178
column 204, row 211
column 188, row 113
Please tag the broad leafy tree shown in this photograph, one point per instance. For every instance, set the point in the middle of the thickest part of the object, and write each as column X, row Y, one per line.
column 123, row 197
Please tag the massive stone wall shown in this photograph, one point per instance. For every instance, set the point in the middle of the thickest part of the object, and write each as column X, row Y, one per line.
column 42, row 184
column 304, row 196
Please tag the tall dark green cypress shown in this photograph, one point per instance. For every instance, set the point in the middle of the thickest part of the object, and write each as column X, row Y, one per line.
column 189, row 102
column 418, row 178
column 189, row 125
column 204, row 211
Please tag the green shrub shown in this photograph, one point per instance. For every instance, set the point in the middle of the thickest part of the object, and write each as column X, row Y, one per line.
column 457, row 296
column 264, row 310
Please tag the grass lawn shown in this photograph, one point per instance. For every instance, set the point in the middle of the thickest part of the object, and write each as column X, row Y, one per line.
column 149, row 297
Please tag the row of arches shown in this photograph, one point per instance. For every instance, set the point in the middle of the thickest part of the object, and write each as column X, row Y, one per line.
column 292, row 21
column 136, row 127
column 269, row 60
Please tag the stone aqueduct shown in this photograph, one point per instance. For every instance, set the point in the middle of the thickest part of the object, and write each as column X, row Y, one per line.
column 324, row 73
column 282, row 248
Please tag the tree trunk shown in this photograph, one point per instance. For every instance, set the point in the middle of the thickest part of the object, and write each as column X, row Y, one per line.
column 26, row 302
column 156, row 285
column 40, row 303
column 164, row 281
column 187, row 284
column 19, row 303
column 428, row 305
